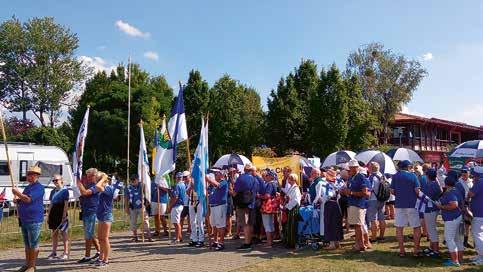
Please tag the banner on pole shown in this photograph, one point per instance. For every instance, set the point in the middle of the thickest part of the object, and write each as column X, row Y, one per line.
column 277, row 164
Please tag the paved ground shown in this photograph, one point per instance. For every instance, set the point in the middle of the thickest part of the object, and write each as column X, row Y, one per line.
column 155, row 256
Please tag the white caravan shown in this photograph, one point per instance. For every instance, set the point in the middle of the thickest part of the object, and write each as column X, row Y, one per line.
column 51, row 159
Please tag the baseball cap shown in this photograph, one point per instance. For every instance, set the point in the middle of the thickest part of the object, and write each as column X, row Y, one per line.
column 431, row 173
column 186, row 173
column 404, row 164
column 353, row 163
column 179, row 174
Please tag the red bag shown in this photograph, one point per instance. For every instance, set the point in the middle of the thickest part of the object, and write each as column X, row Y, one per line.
column 270, row 205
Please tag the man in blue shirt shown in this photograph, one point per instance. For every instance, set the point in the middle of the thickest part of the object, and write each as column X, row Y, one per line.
column 357, row 193
column 89, row 200
column 244, row 193
column 159, row 204
column 218, row 193
column 176, row 207
column 31, row 214
column 134, row 197
column 405, row 186
column 476, row 206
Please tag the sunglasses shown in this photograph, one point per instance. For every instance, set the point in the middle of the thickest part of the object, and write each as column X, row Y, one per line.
column 54, row 180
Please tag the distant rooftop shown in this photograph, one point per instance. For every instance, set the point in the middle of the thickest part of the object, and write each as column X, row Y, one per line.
column 404, row 117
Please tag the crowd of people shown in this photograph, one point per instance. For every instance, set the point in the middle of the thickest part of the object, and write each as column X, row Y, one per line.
column 266, row 209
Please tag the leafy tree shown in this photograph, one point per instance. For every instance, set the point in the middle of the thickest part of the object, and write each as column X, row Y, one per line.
column 45, row 136
column 388, row 80
column 17, row 126
column 107, row 96
column 329, row 113
column 39, row 68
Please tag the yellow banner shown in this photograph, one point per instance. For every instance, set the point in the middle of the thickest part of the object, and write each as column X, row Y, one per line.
column 278, row 164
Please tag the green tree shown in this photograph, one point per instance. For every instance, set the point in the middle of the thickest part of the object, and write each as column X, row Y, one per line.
column 46, row 136
column 40, row 69
column 362, row 122
column 329, row 113
column 107, row 135
column 387, row 79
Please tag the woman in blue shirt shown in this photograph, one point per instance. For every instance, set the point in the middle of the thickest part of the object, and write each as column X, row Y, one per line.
column 452, row 218
column 57, row 220
column 104, row 216
column 432, row 190
column 31, row 214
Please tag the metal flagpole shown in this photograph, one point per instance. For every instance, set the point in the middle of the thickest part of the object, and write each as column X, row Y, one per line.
column 142, row 190
column 128, row 124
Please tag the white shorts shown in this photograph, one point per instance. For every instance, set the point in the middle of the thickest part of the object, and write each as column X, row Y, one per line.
column 405, row 217
column 158, row 208
column 356, row 216
column 176, row 214
column 218, row 216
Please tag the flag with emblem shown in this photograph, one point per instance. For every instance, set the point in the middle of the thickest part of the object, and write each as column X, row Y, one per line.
column 143, row 166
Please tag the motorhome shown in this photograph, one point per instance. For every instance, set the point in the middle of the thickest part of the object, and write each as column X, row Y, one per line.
column 51, row 159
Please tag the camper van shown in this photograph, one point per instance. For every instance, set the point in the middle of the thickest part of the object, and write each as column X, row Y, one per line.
column 51, row 159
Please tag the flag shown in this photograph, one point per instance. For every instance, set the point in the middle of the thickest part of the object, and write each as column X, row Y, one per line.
column 422, row 202
column 3, row 199
column 175, row 133
column 143, row 166
column 153, row 153
column 64, row 226
column 162, row 160
column 200, row 166
column 79, row 153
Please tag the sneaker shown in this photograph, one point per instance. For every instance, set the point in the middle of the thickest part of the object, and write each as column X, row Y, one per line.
column 245, row 247
column 199, row 245
column 102, row 264
column 84, row 260
column 450, row 263
column 63, row 257
column 192, row 244
column 23, row 268
column 96, row 256
column 219, row 247
column 52, row 256
column 235, row 237
column 174, row 242
column 96, row 262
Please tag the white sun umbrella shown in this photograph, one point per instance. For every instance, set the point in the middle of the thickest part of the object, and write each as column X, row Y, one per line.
column 470, row 149
column 401, row 154
column 235, row 160
column 338, row 158
column 385, row 162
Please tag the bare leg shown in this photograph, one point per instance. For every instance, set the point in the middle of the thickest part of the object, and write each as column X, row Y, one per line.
column 417, row 239
column 359, row 240
column 382, row 228
column 374, row 230
column 400, row 239
column 55, row 240
column 248, row 234
column 229, row 224
column 164, row 222
column 88, row 243
column 65, row 240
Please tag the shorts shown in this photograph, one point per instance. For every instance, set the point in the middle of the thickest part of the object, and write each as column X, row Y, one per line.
column 245, row 217
column 218, row 216
column 229, row 207
column 391, row 202
column 356, row 216
column 431, row 226
column 185, row 212
column 89, row 222
column 158, row 208
column 176, row 214
column 133, row 217
column 375, row 210
column 106, row 218
column 31, row 234
column 268, row 222
column 405, row 217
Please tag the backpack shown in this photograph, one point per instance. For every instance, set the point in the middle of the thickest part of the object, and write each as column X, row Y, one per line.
column 384, row 191
column 244, row 199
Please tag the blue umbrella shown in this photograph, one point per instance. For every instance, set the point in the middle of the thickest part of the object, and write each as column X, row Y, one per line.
column 338, row 158
column 385, row 162
column 470, row 149
column 401, row 154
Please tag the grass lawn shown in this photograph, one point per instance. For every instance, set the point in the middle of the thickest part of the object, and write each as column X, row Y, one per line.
column 383, row 257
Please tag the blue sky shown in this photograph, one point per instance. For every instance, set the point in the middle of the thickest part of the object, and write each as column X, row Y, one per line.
column 257, row 42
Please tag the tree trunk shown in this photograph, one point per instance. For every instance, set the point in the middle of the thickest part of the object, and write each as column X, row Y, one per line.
column 41, row 118
column 52, row 119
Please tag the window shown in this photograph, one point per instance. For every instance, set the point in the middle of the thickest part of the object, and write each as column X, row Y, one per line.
column 23, row 170
column 48, row 170
column 4, row 168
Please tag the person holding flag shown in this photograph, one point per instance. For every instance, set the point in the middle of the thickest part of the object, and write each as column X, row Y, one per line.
column 57, row 219
column 133, row 196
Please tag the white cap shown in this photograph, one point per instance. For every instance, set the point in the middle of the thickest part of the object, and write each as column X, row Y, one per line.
column 353, row 163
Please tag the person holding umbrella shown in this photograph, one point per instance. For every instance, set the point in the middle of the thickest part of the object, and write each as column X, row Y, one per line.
column 31, row 214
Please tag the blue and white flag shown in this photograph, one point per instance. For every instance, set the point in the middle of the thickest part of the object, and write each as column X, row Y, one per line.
column 64, row 225
column 79, row 153
column 143, row 166
column 422, row 202
column 200, row 166
column 175, row 133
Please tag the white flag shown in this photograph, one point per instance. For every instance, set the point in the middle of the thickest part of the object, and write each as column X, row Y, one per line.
column 78, row 154
column 143, row 166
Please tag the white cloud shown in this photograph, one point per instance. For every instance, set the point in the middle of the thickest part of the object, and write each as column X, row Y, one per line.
column 406, row 110
column 151, row 55
column 97, row 63
column 131, row 30
column 427, row 57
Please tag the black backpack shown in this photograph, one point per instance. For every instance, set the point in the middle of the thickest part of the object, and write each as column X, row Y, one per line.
column 384, row 191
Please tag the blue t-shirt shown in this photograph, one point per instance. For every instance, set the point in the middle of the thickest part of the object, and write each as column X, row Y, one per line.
column 59, row 196
column 218, row 195
column 163, row 195
column 312, row 189
column 260, row 185
column 89, row 203
column 450, row 196
column 134, row 195
column 423, row 182
column 404, row 185
column 433, row 191
column 356, row 184
column 270, row 188
column 179, row 191
column 32, row 212
column 246, row 182
column 461, row 190
column 476, row 204
column 104, row 209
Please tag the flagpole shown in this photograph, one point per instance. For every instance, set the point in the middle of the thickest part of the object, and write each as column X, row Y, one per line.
column 142, row 190
column 128, row 125
column 188, row 153
column 6, row 151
